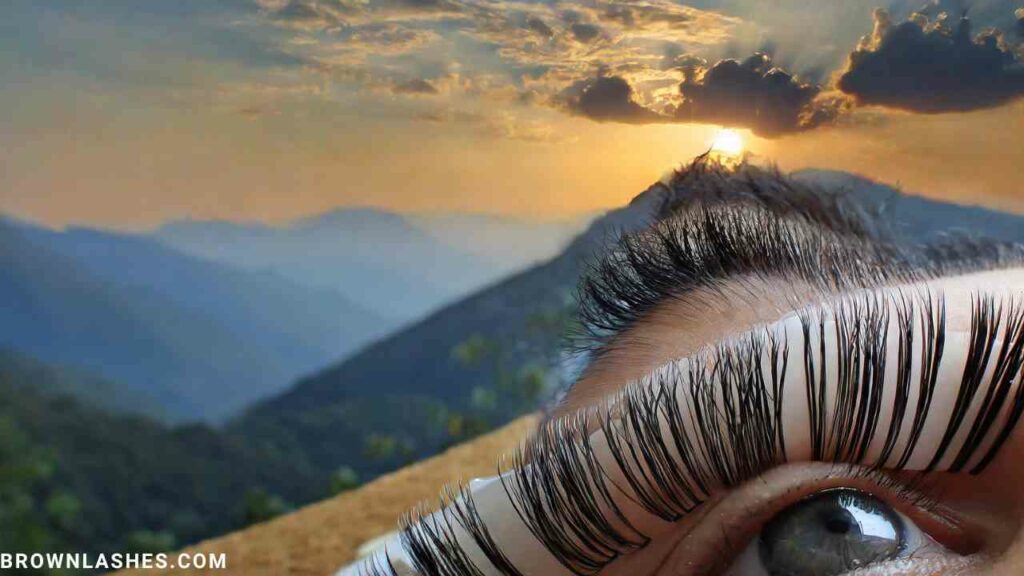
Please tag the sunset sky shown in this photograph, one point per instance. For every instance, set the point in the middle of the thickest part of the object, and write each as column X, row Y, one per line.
column 129, row 113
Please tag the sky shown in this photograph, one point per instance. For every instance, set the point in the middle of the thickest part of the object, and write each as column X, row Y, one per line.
column 129, row 113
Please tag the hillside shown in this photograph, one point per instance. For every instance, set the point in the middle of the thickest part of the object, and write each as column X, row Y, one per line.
column 320, row 538
column 399, row 266
column 18, row 371
column 418, row 362
column 520, row 321
column 74, row 477
column 201, row 338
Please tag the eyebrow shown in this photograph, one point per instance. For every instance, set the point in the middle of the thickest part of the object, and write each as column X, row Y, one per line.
column 715, row 420
column 716, row 225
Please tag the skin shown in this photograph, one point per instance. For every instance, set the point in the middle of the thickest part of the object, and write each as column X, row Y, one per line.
column 981, row 515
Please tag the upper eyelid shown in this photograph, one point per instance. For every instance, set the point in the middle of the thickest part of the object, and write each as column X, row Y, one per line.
column 570, row 436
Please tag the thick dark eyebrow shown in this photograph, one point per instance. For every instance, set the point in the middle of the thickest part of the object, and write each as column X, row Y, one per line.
column 717, row 223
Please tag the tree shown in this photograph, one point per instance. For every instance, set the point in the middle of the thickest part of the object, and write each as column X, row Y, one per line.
column 343, row 480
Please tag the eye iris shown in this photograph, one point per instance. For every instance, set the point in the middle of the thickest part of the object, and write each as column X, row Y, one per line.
column 831, row 533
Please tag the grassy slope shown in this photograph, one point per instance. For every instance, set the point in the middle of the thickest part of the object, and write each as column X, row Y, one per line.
column 322, row 537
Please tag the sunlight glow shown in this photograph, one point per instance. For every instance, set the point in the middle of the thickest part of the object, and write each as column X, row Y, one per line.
column 728, row 143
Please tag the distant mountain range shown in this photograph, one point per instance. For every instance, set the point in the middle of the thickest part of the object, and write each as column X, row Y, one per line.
column 399, row 266
column 417, row 362
column 204, row 318
column 202, row 339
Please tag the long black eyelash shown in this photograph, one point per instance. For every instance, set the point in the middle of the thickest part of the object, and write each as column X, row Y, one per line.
column 1006, row 370
column 374, row 566
column 723, row 418
column 563, row 496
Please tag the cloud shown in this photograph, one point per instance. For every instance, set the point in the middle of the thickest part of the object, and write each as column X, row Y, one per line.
column 585, row 32
column 313, row 15
column 1019, row 14
column 416, row 87
column 607, row 99
column 539, row 26
column 646, row 15
column 932, row 67
column 754, row 94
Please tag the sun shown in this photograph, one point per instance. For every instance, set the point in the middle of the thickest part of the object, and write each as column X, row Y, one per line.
column 728, row 143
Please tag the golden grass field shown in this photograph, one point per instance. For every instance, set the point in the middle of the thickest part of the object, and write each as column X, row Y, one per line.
column 320, row 538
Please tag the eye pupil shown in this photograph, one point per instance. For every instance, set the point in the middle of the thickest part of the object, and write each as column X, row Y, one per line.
column 839, row 523
column 831, row 533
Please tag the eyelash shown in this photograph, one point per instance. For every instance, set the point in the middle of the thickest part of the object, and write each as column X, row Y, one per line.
column 564, row 495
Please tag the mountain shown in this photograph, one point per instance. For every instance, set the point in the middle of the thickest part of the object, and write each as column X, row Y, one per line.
column 423, row 361
column 519, row 321
column 916, row 217
column 201, row 338
column 400, row 267
column 20, row 372
column 510, row 243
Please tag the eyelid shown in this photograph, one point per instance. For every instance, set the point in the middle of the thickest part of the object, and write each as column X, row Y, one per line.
column 589, row 497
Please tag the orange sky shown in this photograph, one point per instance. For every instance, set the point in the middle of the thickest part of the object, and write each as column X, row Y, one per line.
column 128, row 120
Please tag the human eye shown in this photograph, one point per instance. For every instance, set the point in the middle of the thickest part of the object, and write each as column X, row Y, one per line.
column 838, row 440
column 837, row 531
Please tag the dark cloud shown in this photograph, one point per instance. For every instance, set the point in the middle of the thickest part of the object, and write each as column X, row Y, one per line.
column 1020, row 22
column 641, row 15
column 753, row 94
column 608, row 99
column 931, row 67
column 539, row 26
column 430, row 5
column 585, row 32
column 307, row 15
column 417, row 87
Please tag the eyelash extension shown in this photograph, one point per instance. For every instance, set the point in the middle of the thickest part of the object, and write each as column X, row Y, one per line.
column 559, row 490
column 1006, row 369
column 374, row 566
column 716, row 420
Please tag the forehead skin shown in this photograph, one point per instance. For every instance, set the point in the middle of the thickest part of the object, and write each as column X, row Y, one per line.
column 680, row 327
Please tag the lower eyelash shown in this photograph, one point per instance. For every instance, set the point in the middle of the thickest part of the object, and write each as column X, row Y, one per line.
column 564, row 494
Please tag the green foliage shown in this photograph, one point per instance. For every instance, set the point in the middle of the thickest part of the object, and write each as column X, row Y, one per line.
column 149, row 541
column 387, row 447
column 504, row 389
column 260, row 506
column 343, row 480
column 461, row 427
column 76, row 478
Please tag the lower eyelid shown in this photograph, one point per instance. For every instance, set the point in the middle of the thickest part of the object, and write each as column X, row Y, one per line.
column 733, row 519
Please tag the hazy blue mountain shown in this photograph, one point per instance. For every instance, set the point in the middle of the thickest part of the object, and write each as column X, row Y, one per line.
column 917, row 217
column 510, row 243
column 417, row 362
column 401, row 267
column 201, row 337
